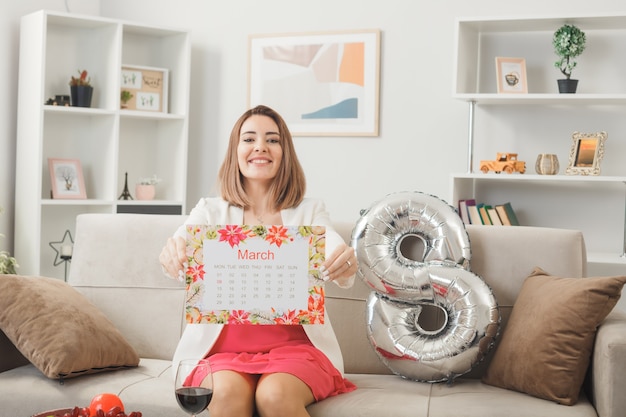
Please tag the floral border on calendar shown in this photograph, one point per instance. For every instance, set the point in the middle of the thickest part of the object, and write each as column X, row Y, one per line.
column 235, row 235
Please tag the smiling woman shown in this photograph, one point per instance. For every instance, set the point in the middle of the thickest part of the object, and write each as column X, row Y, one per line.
column 259, row 153
column 288, row 185
column 262, row 193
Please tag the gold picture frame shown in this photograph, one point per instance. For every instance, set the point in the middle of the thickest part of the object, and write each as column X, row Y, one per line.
column 511, row 73
column 586, row 153
column 144, row 88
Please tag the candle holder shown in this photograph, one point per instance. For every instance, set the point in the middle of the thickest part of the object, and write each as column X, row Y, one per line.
column 547, row 164
column 63, row 250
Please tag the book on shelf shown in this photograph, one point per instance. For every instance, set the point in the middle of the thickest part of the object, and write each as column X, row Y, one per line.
column 507, row 214
column 484, row 215
column 480, row 213
column 463, row 209
column 493, row 216
column 474, row 214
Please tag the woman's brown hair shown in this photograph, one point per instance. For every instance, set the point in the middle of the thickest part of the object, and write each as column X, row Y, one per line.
column 289, row 185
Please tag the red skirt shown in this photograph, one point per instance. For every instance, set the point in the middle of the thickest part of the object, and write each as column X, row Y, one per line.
column 264, row 349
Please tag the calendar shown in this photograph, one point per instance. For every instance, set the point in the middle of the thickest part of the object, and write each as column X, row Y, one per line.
column 240, row 274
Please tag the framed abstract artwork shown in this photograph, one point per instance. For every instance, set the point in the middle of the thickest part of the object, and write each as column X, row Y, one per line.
column 323, row 84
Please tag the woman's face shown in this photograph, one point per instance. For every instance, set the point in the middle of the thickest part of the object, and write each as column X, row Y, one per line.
column 260, row 151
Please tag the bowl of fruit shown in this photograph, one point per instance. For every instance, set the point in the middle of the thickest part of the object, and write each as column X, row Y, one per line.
column 102, row 405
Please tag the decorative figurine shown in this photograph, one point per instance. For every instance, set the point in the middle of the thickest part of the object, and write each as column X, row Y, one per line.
column 126, row 193
column 506, row 162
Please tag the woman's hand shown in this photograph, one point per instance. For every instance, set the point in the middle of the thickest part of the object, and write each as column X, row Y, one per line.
column 173, row 258
column 340, row 264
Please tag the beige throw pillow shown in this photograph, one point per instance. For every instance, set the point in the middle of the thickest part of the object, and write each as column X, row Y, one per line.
column 546, row 345
column 58, row 330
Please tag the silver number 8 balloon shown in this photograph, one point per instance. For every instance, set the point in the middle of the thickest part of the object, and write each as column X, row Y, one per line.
column 428, row 317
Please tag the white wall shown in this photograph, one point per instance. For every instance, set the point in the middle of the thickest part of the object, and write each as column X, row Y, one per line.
column 422, row 129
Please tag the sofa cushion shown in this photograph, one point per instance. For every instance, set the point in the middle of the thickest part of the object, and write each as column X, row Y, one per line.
column 547, row 343
column 58, row 330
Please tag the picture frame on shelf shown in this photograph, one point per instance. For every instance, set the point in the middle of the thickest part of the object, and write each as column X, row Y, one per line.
column 586, row 153
column 511, row 75
column 66, row 177
column 332, row 80
column 144, row 88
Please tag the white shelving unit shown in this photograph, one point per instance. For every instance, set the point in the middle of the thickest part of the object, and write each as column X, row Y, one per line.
column 594, row 204
column 108, row 141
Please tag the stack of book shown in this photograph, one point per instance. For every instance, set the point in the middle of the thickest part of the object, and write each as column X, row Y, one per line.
column 479, row 213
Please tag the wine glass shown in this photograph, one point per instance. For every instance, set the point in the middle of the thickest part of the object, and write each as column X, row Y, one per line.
column 194, row 385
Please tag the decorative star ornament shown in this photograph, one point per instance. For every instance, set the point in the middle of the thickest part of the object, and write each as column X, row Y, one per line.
column 59, row 248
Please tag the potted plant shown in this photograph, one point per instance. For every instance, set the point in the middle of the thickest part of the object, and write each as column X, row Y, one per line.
column 569, row 42
column 146, row 189
column 125, row 97
column 81, row 89
column 8, row 264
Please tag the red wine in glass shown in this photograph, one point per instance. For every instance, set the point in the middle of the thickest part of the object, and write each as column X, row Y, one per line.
column 193, row 387
column 194, row 399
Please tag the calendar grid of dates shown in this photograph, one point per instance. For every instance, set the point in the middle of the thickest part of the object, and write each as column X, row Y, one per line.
column 251, row 287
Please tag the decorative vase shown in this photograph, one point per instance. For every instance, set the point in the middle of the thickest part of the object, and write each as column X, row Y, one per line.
column 81, row 95
column 145, row 191
column 567, row 85
column 547, row 164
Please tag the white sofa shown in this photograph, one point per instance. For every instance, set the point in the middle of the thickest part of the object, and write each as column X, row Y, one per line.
column 115, row 265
